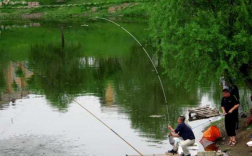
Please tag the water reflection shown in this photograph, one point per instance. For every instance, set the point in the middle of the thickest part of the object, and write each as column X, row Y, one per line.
column 109, row 96
column 102, row 68
column 67, row 71
column 13, row 84
column 56, row 72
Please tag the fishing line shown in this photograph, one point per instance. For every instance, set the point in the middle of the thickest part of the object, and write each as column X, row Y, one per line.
column 160, row 81
column 202, row 124
column 80, row 106
column 221, row 116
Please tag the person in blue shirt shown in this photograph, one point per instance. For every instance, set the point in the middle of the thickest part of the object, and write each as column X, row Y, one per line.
column 185, row 133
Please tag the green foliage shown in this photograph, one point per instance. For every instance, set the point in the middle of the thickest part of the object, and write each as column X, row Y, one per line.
column 75, row 10
column 137, row 11
column 197, row 37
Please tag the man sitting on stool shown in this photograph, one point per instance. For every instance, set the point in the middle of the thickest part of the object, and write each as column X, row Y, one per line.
column 185, row 133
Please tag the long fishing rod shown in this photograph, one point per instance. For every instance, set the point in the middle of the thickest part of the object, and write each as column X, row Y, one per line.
column 202, row 124
column 160, row 81
column 56, row 87
column 221, row 116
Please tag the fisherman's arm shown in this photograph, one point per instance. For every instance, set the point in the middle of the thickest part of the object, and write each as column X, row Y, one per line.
column 223, row 111
column 236, row 105
column 223, row 108
column 172, row 130
column 234, row 108
column 174, row 134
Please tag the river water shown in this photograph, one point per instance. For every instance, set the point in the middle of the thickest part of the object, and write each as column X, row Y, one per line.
column 47, row 70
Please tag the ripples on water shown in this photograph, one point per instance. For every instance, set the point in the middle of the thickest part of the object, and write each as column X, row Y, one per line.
column 104, row 70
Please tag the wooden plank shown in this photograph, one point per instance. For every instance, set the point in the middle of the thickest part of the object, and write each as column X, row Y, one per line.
column 199, row 108
column 212, row 115
column 200, row 113
column 156, row 155
column 208, row 112
column 203, row 109
column 203, row 112
column 208, row 115
column 210, row 153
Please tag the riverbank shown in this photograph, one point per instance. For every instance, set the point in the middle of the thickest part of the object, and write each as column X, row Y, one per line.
column 75, row 12
column 243, row 136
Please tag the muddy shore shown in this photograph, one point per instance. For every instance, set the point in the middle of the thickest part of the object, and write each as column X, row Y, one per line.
column 243, row 136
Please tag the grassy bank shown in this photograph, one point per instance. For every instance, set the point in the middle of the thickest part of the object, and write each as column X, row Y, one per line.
column 71, row 12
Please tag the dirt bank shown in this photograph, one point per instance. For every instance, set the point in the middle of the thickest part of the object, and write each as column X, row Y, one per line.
column 243, row 136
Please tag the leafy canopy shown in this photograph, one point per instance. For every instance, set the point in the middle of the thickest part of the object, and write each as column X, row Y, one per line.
column 203, row 38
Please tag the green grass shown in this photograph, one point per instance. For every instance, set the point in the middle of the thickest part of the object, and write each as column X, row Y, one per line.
column 73, row 12
column 17, row 42
column 54, row 2
column 136, row 11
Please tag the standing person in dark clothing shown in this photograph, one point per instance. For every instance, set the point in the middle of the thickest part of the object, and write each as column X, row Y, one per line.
column 235, row 91
column 229, row 84
column 185, row 133
column 230, row 106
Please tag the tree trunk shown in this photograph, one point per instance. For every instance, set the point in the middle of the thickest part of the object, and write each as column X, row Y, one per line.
column 212, row 7
column 62, row 37
column 245, row 72
column 231, row 19
column 249, row 83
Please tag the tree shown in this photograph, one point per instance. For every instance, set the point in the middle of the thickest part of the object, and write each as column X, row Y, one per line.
column 201, row 37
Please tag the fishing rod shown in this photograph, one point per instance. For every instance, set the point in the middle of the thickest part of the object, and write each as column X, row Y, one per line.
column 221, row 116
column 56, row 87
column 160, row 81
column 161, row 84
